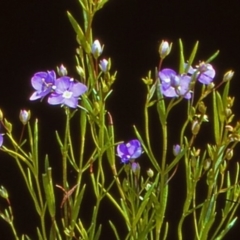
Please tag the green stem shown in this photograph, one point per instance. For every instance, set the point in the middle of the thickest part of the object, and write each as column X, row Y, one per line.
column 64, row 160
column 163, row 185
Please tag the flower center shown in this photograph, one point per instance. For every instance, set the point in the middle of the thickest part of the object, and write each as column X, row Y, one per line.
column 67, row 94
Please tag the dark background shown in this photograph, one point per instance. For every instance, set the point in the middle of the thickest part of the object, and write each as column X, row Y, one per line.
column 35, row 35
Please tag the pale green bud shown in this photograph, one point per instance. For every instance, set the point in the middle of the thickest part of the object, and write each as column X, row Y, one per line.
column 228, row 76
column 150, row 173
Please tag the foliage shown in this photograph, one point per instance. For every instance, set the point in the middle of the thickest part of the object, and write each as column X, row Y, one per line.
column 142, row 199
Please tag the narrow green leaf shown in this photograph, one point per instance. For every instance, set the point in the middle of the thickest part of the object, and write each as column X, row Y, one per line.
column 49, row 192
column 114, row 230
column 79, row 32
column 216, row 119
column 175, row 161
column 181, row 57
column 220, row 107
column 225, row 94
column 212, row 57
column 98, row 233
column 77, row 204
column 226, row 229
column 161, row 109
column 192, row 56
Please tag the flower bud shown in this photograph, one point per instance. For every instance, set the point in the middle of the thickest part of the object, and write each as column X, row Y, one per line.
column 96, row 49
column 195, row 127
column 164, row 49
column 3, row 192
column 104, row 65
column 229, row 154
column 150, row 173
column 24, row 116
column 62, row 71
column 135, row 168
column 80, row 71
column 228, row 76
column 223, row 167
column 207, row 164
column 176, row 149
column 202, row 108
column 7, row 125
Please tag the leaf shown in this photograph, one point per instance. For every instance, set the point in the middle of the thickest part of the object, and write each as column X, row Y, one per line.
column 192, row 56
column 79, row 32
column 49, row 192
column 216, row 119
column 212, row 57
column 114, row 230
column 182, row 60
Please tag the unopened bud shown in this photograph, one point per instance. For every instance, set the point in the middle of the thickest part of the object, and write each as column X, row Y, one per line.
column 80, row 71
column 176, row 149
column 96, row 49
column 164, row 49
column 135, row 168
column 195, row 127
column 202, row 108
column 3, row 192
column 229, row 154
column 104, row 66
column 24, row 116
column 228, row 76
column 207, row 164
column 150, row 173
column 62, row 71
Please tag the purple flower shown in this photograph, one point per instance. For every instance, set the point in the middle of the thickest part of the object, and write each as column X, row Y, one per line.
column 130, row 150
column 205, row 72
column 173, row 85
column 67, row 92
column 43, row 83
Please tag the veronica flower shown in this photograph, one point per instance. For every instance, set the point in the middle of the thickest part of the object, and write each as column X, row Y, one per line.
column 205, row 72
column 129, row 151
column 174, row 85
column 43, row 83
column 67, row 92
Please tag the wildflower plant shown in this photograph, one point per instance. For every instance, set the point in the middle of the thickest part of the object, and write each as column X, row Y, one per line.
column 139, row 196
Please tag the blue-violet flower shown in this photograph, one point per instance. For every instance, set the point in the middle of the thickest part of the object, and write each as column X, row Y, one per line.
column 205, row 72
column 67, row 92
column 129, row 151
column 43, row 83
column 173, row 85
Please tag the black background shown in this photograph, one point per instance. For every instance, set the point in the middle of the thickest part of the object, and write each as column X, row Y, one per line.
column 35, row 35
